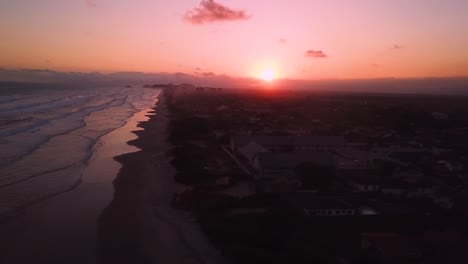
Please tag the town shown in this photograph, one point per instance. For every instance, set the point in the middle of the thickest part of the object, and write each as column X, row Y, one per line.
column 277, row 176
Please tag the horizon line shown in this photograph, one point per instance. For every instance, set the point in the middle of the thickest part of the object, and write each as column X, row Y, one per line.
column 236, row 77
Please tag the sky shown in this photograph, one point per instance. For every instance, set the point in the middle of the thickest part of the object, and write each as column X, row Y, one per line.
column 298, row 39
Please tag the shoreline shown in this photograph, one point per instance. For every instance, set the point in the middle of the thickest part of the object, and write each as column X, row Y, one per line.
column 63, row 227
column 140, row 225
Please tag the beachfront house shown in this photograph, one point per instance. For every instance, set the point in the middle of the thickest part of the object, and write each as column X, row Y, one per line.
column 353, row 159
column 251, row 150
column 313, row 205
column 365, row 185
column 274, row 164
column 288, row 143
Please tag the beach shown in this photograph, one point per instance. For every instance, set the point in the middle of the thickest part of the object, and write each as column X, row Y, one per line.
column 118, row 211
column 61, row 226
column 139, row 225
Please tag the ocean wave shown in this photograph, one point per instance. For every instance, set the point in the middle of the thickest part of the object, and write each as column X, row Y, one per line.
column 25, row 133
column 45, row 152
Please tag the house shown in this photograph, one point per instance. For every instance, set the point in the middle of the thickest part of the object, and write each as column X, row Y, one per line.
column 365, row 184
column 313, row 205
column 223, row 108
column 393, row 247
column 329, row 211
column 440, row 116
column 272, row 143
column 313, row 142
column 251, row 150
column 451, row 166
column 246, row 211
column 361, row 180
column 239, row 190
column 276, row 171
column 280, row 184
column 415, row 192
column 393, row 190
column 273, row 164
column 408, row 174
column 421, row 190
column 410, row 156
column 282, row 143
column 352, row 158
column 391, row 207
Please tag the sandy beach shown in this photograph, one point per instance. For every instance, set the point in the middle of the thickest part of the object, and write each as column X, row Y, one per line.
column 88, row 224
column 139, row 225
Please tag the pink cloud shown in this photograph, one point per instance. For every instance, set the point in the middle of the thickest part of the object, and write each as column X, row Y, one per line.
column 396, row 47
column 206, row 74
column 315, row 54
column 209, row 11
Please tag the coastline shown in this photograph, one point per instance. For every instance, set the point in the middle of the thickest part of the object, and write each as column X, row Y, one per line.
column 140, row 225
column 63, row 227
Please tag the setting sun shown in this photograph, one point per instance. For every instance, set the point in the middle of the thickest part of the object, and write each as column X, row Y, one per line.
column 267, row 74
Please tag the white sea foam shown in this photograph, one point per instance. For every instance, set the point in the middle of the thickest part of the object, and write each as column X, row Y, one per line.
column 52, row 133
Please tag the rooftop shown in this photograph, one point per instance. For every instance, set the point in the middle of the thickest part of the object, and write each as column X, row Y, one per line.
column 290, row 160
column 308, row 140
column 312, row 201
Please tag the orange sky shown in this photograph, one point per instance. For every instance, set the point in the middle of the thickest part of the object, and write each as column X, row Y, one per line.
column 299, row 39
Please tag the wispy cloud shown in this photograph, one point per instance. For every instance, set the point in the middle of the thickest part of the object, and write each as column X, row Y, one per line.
column 181, row 74
column 91, row 3
column 210, row 11
column 206, row 74
column 315, row 54
column 396, row 47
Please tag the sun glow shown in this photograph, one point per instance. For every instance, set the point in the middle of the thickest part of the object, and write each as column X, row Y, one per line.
column 268, row 74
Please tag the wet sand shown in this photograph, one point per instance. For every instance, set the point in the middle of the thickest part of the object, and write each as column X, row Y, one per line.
column 63, row 228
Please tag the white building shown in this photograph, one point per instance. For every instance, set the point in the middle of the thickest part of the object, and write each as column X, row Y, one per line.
column 251, row 150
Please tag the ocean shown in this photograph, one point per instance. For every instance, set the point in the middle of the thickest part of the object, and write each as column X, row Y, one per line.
column 50, row 133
